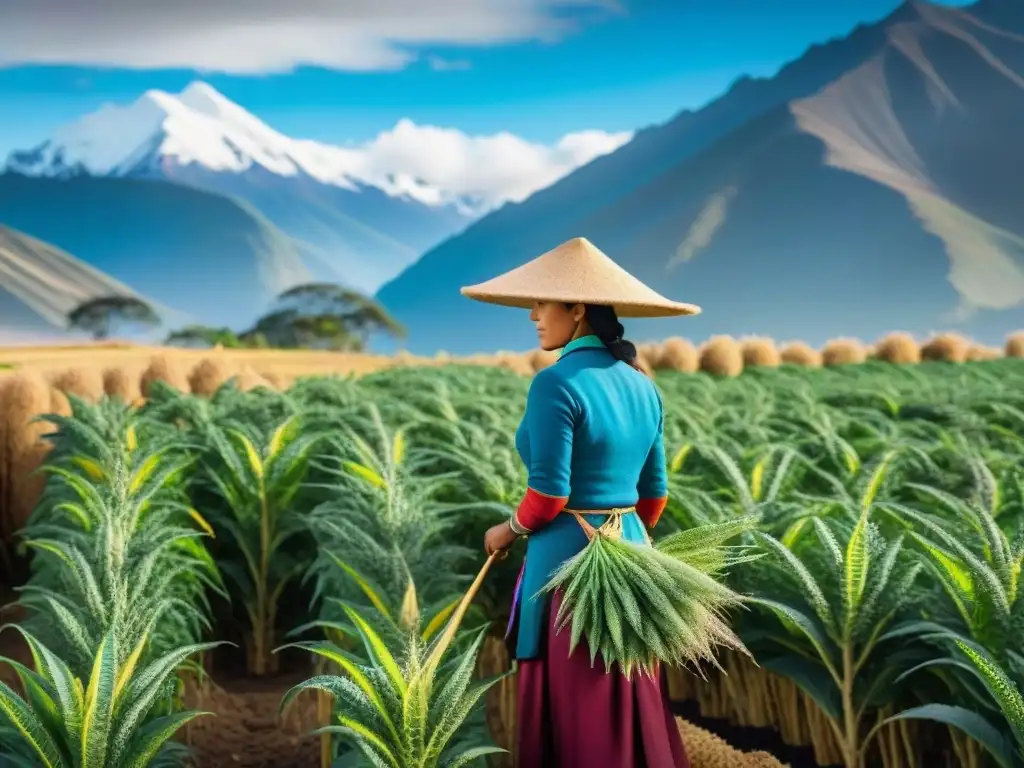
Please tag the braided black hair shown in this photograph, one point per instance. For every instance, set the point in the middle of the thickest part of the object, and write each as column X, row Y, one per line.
column 604, row 322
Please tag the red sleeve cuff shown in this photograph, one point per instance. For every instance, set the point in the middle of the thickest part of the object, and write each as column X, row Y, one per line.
column 649, row 510
column 537, row 510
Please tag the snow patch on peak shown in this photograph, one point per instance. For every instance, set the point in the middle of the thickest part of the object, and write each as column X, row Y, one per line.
column 198, row 126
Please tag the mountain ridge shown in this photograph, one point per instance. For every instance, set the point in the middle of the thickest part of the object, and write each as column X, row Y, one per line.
column 42, row 284
column 226, row 261
column 748, row 179
column 655, row 147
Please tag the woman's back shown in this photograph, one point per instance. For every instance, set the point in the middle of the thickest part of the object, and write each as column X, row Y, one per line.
column 591, row 434
column 592, row 430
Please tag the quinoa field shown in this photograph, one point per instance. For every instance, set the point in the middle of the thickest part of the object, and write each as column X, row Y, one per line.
column 207, row 570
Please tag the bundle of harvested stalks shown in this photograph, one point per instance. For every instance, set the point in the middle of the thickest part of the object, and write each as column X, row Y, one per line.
column 721, row 356
column 978, row 353
column 946, row 348
column 638, row 605
column 1015, row 344
column 164, row 368
column 760, row 352
column 208, row 375
column 844, row 352
column 678, row 354
column 800, row 353
column 122, row 384
column 83, row 382
column 899, row 348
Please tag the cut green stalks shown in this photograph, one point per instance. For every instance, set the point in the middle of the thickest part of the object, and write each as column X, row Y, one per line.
column 637, row 605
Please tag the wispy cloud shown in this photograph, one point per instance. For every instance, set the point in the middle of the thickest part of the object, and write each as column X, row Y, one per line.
column 259, row 36
column 439, row 64
column 708, row 222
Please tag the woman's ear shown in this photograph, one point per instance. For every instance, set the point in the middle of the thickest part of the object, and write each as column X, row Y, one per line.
column 578, row 313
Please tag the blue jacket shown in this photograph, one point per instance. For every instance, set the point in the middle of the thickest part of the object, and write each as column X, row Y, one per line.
column 592, row 432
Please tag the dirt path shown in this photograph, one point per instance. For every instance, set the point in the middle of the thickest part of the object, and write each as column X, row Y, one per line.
column 246, row 730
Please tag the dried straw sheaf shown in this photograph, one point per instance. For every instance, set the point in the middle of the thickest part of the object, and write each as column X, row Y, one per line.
column 844, row 352
column 59, row 403
column 677, row 354
column 899, row 348
column 166, row 369
column 82, row 382
column 1015, row 344
column 978, row 353
column 247, row 380
column 799, row 353
column 650, row 353
column 122, row 383
column 24, row 396
column 278, row 381
column 208, row 375
column 721, row 356
column 759, row 352
column 947, row 348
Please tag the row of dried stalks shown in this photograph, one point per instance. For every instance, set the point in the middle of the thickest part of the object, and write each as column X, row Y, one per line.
column 26, row 395
column 728, row 356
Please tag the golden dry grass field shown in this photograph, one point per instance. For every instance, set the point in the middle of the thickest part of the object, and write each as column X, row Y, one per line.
column 720, row 355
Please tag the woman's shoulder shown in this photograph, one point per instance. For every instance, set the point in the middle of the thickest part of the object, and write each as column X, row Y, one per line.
column 553, row 385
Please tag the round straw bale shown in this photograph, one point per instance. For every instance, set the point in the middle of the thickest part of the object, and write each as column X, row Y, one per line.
column 844, row 352
column 946, row 347
column 899, row 348
column 760, row 352
column 721, row 356
column 800, row 353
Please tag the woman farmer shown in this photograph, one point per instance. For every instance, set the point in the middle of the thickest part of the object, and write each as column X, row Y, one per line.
column 591, row 439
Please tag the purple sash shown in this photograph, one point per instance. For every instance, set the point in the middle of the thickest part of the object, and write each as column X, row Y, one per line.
column 516, row 596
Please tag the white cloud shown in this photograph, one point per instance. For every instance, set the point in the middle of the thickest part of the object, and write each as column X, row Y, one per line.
column 256, row 36
column 493, row 169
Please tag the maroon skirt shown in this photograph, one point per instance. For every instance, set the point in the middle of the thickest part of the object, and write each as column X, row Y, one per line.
column 574, row 715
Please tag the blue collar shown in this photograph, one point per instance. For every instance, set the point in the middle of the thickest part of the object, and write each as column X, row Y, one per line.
column 581, row 343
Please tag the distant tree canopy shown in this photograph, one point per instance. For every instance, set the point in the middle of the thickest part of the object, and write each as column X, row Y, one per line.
column 204, row 336
column 101, row 315
column 310, row 316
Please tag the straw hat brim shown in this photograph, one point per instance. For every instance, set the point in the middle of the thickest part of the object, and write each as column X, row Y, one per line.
column 666, row 308
column 577, row 272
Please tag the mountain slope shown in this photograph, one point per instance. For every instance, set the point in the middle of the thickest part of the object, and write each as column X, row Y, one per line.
column 882, row 199
column 351, row 229
column 41, row 284
column 214, row 259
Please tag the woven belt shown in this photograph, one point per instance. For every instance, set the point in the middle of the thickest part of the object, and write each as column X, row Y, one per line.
column 613, row 512
column 610, row 528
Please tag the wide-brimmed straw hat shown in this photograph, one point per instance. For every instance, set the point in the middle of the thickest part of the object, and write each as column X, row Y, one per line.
column 577, row 272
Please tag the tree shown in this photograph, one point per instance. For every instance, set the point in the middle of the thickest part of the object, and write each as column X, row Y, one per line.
column 100, row 315
column 204, row 336
column 324, row 315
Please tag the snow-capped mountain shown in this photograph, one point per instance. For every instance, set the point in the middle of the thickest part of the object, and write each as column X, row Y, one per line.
column 201, row 127
column 348, row 227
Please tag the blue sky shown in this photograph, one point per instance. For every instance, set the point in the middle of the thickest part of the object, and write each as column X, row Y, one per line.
column 617, row 70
